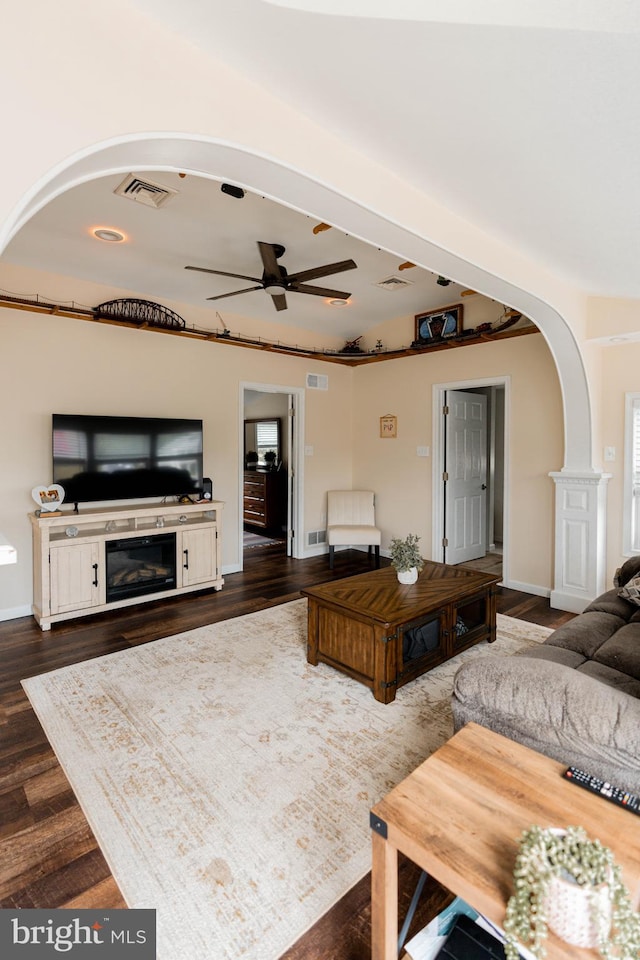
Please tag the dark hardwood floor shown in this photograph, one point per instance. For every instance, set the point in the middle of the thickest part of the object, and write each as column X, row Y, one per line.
column 48, row 855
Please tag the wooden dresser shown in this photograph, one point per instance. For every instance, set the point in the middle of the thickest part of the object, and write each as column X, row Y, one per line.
column 265, row 500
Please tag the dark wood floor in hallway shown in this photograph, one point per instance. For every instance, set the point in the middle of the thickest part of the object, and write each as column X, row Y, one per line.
column 48, row 854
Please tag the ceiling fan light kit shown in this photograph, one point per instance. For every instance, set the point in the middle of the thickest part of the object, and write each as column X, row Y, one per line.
column 276, row 281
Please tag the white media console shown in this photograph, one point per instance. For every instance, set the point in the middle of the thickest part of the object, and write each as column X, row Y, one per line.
column 96, row 560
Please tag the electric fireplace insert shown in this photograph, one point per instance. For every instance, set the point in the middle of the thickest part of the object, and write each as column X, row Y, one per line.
column 140, row 565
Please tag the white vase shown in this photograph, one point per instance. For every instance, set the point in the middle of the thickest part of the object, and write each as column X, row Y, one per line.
column 408, row 576
column 579, row 915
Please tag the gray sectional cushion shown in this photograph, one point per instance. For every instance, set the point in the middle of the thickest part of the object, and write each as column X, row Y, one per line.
column 556, row 710
column 575, row 697
column 568, row 658
column 612, row 602
column 628, row 570
column 586, row 633
column 622, row 650
column 614, row 678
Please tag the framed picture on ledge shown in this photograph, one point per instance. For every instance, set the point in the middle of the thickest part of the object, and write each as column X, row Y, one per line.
column 439, row 324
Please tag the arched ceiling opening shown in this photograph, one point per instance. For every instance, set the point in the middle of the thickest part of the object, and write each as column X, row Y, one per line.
column 291, row 188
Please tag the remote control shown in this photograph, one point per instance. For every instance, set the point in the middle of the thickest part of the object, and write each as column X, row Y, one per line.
column 604, row 789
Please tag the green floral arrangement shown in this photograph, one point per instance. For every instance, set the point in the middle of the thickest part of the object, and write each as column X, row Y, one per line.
column 570, row 855
column 405, row 554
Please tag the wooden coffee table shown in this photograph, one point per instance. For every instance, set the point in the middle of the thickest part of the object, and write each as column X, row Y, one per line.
column 384, row 633
column 460, row 815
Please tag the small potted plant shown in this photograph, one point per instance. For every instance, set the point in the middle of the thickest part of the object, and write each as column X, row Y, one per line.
column 270, row 458
column 406, row 558
column 570, row 884
column 251, row 460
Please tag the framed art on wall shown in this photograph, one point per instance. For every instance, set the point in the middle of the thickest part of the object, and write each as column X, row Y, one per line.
column 389, row 425
column 438, row 324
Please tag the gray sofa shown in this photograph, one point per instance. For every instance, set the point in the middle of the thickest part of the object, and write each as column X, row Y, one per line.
column 575, row 697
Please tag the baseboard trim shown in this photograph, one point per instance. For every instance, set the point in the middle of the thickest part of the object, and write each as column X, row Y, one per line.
column 568, row 601
column 533, row 588
column 15, row 613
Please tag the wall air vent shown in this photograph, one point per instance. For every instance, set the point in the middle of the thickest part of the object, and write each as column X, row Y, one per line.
column 144, row 191
column 317, row 381
column 394, row 283
column 316, row 536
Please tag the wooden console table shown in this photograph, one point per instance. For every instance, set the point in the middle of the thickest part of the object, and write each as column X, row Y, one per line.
column 384, row 633
column 460, row 816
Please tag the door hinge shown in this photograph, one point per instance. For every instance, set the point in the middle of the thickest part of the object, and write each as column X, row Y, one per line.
column 393, row 636
column 445, row 410
column 445, row 542
column 445, row 476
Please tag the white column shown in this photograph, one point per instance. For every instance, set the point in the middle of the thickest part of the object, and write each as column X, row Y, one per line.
column 580, row 548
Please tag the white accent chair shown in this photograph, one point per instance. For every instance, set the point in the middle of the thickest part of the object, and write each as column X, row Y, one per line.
column 351, row 520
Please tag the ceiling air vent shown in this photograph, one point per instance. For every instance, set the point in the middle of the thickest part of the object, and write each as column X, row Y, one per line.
column 144, row 191
column 317, row 381
column 394, row 283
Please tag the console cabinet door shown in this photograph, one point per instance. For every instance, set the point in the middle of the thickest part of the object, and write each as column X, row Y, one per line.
column 198, row 556
column 75, row 572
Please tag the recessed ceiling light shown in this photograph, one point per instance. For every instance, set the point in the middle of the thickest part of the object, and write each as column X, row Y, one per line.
column 338, row 303
column 105, row 233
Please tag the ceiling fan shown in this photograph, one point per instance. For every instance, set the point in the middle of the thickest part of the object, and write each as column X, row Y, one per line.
column 277, row 282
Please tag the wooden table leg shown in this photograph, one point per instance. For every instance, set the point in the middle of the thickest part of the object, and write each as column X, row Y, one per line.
column 384, row 899
column 312, row 632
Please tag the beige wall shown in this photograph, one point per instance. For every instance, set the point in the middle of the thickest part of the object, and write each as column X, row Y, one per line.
column 621, row 375
column 55, row 364
column 60, row 364
column 403, row 481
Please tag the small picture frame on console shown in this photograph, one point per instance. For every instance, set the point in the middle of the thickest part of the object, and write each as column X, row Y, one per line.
column 439, row 324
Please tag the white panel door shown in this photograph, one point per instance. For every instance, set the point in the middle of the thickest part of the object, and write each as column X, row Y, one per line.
column 466, row 469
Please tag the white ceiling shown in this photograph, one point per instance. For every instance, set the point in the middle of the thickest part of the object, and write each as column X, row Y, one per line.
column 204, row 227
column 520, row 117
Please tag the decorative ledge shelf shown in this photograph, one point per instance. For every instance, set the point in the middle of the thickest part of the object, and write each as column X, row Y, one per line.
column 350, row 359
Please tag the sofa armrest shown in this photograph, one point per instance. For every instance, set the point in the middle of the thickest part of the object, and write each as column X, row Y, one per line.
column 630, row 568
column 555, row 710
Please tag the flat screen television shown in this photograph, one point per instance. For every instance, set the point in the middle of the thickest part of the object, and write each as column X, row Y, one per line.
column 126, row 458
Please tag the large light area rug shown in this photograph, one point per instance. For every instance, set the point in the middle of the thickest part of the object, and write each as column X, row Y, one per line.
column 229, row 783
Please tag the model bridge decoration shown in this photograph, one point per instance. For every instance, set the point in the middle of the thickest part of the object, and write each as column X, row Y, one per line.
column 146, row 315
column 142, row 312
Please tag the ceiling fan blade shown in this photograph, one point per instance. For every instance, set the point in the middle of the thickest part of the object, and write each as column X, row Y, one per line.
column 223, row 273
column 467, row 293
column 279, row 301
column 235, row 293
column 320, row 292
column 268, row 253
column 315, row 272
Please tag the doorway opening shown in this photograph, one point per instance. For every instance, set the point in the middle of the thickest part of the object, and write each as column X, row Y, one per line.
column 270, row 498
column 470, row 474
